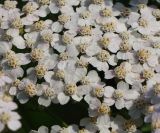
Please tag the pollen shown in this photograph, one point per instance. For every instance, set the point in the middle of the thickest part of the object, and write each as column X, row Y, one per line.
column 10, row 4
column 104, row 109
column 125, row 12
column 47, row 37
column 120, row 72
column 85, row 81
column 125, row 46
column 81, row 64
column 148, row 74
column 108, row 27
column 31, row 89
column 106, row 12
column 17, row 23
column 82, row 48
column 16, row 82
column 5, row 117
column 104, row 42
column 40, row 70
column 97, row 2
column 63, row 18
column 143, row 55
column 60, row 74
column 13, row 62
column 157, row 89
column 142, row 22
column 60, row 3
column 49, row 92
column 70, row 89
column 85, row 30
column 66, row 39
column 39, row 25
column 85, row 15
column 63, row 56
column 30, row 7
column 103, row 56
column 124, row 35
column 98, row 91
column 118, row 94
column 130, row 126
column 44, row 2
column 156, row 13
column 37, row 54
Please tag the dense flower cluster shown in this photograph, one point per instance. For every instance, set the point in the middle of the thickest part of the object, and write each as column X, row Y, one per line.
column 93, row 50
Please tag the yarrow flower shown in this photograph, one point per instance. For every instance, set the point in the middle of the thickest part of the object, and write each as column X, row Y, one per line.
column 100, row 54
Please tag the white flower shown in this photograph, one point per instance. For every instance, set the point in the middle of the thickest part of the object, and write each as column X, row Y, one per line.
column 41, row 129
column 48, row 93
column 122, row 96
column 27, row 89
column 6, row 102
column 119, row 124
column 69, row 129
column 5, row 78
column 9, row 118
column 56, row 5
column 142, row 23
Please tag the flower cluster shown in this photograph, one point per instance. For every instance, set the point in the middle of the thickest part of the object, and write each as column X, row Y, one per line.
column 93, row 50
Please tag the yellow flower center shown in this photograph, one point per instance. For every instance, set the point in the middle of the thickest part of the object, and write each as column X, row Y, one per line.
column 156, row 13
column 126, row 12
column 30, row 7
column 39, row 25
column 67, row 39
column 44, row 2
column 142, row 22
column 120, row 72
column 82, row 48
column 104, row 109
column 63, row 18
column 60, row 74
column 47, row 37
column 5, row 117
column 82, row 64
column 70, row 89
column 106, row 12
column 40, row 70
column 104, row 42
column 31, row 89
column 103, row 56
column 13, row 62
column 49, row 92
column 85, row 14
column 124, row 35
column 10, row 4
column 108, row 27
column 63, row 56
column 125, row 46
column 118, row 94
column 85, row 81
column 17, row 23
column 143, row 55
column 97, row 2
column 147, row 74
column 157, row 89
column 37, row 54
column 61, row 2
column 98, row 92
column 85, row 30
column 130, row 126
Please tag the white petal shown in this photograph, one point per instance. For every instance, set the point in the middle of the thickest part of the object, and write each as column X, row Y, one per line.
column 19, row 42
column 14, row 125
column 63, row 99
